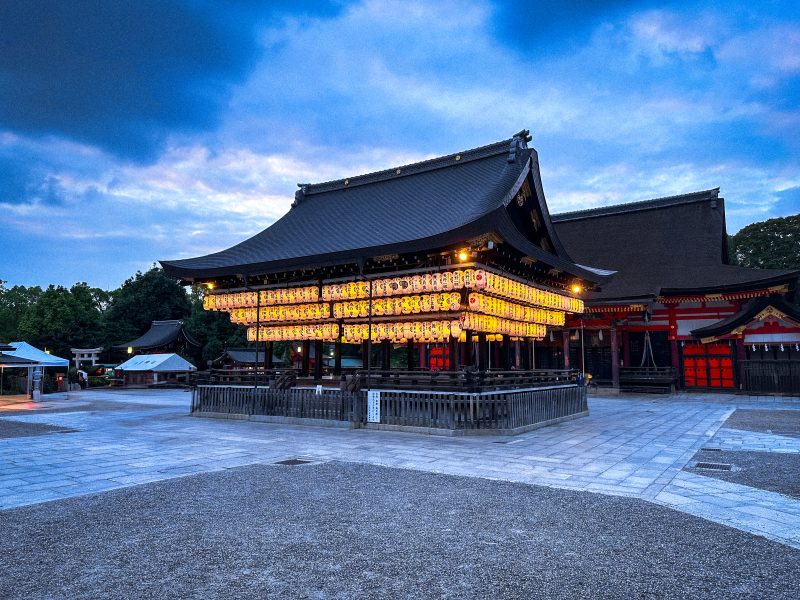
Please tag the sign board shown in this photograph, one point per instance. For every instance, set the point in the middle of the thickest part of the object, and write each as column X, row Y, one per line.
column 373, row 406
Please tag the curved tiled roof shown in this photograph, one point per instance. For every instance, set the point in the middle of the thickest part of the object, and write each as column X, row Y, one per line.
column 426, row 205
column 748, row 312
column 160, row 334
column 675, row 245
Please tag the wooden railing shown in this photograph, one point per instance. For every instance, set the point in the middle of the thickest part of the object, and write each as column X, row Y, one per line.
column 503, row 410
column 465, row 381
column 301, row 403
column 648, row 378
column 538, row 398
column 771, row 376
column 420, row 379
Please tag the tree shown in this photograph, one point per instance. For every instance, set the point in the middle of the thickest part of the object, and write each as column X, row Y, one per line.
column 771, row 244
column 142, row 299
column 14, row 302
column 63, row 318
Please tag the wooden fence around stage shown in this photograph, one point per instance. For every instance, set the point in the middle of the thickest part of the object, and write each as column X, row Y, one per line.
column 545, row 399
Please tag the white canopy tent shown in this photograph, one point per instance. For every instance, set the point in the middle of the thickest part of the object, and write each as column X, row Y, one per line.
column 23, row 355
column 147, row 369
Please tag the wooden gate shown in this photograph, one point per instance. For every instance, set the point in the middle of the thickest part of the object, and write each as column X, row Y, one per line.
column 708, row 366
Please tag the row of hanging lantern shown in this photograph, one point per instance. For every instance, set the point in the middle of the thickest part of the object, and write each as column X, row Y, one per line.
column 327, row 332
column 521, row 292
column 491, row 324
column 297, row 312
column 445, row 281
column 400, row 331
column 293, row 295
column 502, row 308
column 406, row 305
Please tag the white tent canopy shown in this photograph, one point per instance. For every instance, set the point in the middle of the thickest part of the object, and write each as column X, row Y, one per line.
column 39, row 359
column 29, row 357
column 158, row 363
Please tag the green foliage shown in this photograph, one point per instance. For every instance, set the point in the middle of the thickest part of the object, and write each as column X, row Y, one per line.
column 771, row 244
column 14, row 302
column 63, row 318
column 145, row 297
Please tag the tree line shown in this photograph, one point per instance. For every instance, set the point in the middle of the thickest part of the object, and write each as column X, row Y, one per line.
column 60, row 318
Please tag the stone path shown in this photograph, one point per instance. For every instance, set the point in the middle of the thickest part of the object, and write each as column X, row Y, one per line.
column 628, row 446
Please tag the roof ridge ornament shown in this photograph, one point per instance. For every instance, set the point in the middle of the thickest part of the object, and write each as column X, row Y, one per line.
column 300, row 194
column 518, row 142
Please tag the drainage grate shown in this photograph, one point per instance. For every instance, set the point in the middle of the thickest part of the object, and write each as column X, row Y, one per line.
column 713, row 466
column 711, row 449
column 292, row 462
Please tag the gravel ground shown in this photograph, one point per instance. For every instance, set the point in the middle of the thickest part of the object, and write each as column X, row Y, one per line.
column 771, row 471
column 14, row 429
column 340, row 530
column 779, row 422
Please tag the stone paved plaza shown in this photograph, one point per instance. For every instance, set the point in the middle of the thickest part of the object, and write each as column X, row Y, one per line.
column 631, row 446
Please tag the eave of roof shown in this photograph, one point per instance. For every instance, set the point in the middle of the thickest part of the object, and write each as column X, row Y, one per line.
column 748, row 312
column 160, row 334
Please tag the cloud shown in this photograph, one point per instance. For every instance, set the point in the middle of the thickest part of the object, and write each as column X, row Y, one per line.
column 119, row 75
column 662, row 35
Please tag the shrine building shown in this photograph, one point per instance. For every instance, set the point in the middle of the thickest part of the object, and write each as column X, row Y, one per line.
column 675, row 302
column 454, row 261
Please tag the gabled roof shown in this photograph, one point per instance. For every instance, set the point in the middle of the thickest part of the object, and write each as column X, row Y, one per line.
column 427, row 205
column 665, row 246
column 748, row 313
column 160, row 334
column 160, row 363
column 38, row 358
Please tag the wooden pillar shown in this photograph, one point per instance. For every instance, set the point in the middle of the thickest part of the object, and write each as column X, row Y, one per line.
column 467, row 350
column 306, row 358
column 423, row 355
column 525, row 355
column 410, row 354
column 505, row 353
column 365, row 357
column 452, row 345
column 318, row 357
column 337, row 357
column 741, row 355
column 614, row 356
column 565, row 342
column 626, row 348
column 673, row 350
column 386, row 355
column 517, row 356
column 268, row 350
column 533, row 354
column 483, row 352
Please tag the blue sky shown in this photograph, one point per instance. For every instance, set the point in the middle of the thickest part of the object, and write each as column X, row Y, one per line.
column 154, row 129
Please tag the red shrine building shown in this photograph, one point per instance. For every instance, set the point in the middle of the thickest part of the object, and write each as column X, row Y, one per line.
column 675, row 302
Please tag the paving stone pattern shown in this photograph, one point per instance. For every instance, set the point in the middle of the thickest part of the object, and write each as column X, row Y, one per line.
column 628, row 446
